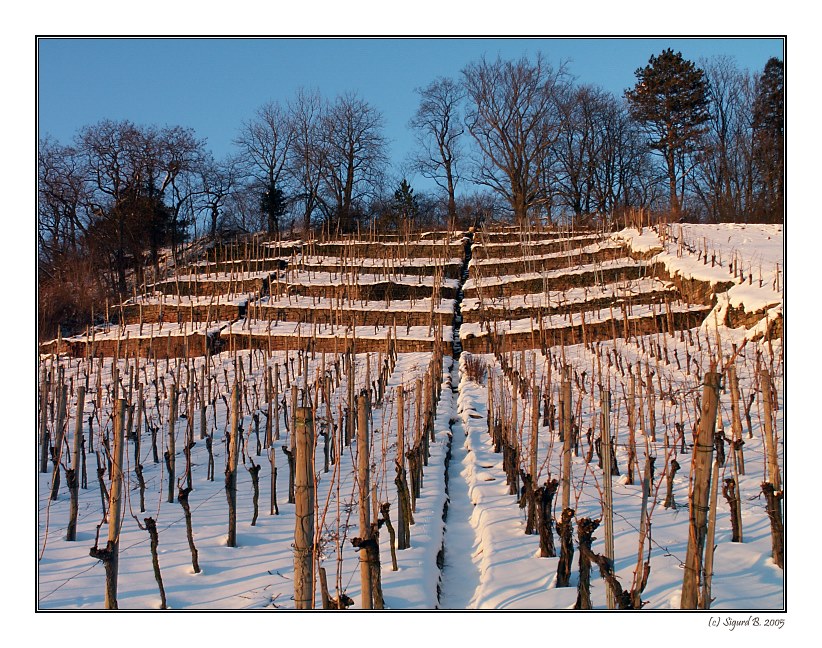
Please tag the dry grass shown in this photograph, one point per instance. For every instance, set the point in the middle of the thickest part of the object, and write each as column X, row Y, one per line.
column 475, row 367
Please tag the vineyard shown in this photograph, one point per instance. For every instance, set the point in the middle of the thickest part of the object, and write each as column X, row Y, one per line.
column 500, row 418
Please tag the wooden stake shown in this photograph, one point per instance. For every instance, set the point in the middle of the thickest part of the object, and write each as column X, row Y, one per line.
column 770, row 440
column 698, row 501
column 608, row 505
column 567, row 432
column 364, row 479
column 304, row 510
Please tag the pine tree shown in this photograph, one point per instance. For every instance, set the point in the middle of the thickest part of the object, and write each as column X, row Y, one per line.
column 670, row 100
column 272, row 205
column 405, row 202
column 769, row 137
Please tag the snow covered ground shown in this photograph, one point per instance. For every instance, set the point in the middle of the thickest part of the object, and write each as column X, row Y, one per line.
column 489, row 562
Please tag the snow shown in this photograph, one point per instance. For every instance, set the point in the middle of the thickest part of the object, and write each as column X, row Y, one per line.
column 489, row 562
column 489, row 280
column 555, row 298
column 257, row 573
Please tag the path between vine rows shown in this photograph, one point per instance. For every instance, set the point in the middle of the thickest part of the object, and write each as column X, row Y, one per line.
column 460, row 576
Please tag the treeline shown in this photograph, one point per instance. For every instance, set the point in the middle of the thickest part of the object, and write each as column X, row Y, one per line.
column 514, row 139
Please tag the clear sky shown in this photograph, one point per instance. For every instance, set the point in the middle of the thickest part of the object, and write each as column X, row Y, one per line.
column 212, row 85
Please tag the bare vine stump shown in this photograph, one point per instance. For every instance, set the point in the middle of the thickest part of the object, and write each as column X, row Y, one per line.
column 182, row 497
column 290, row 457
column 74, row 490
column 622, row 598
column 107, row 557
column 528, row 498
column 386, row 518
column 141, row 483
column 566, row 542
column 254, row 471
column 272, row 457
column 209, row 442
column 101, row 473
column 773, row 507
column 719, row 445
column 155, row 455
column 545, row 496
column 413, row 474
column 670, row 502
column 151, row 527
column 324, row 595
column 370, row 557
column 730, row 492
column 585, row 534
column 404, row 515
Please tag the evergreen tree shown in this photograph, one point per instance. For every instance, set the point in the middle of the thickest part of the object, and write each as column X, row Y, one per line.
column 769, row 137
column 272, row 206
column 405, row 202
column 670, row 100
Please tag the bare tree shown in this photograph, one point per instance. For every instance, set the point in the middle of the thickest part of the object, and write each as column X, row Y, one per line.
column 352, row 155
column 112, row 152
column 438, row 132
column 61, row 195
column 265, row 143
column 513, row 118
column 218, row 179
column 306, row 111
column 577, row 148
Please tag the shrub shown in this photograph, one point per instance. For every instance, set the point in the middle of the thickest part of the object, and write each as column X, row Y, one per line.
column 475, row 367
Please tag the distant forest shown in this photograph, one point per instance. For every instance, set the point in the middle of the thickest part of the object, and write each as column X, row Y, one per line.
column 512, row 140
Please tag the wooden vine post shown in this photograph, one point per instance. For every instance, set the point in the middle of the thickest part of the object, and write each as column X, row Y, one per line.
column 170, row 451
column 736, row 422
column 567, row 434
column 770, row 441
column 231, row 467
column 110, row 555
column 607, row 472
column 772, row 488
column 403, row 496
column 73, row 474
column 706, row 599
column 700, row 491
column 44, row 435
column 364, row 479
column 304, row 510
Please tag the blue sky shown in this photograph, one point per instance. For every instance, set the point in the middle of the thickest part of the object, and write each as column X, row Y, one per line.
column 212, row 85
